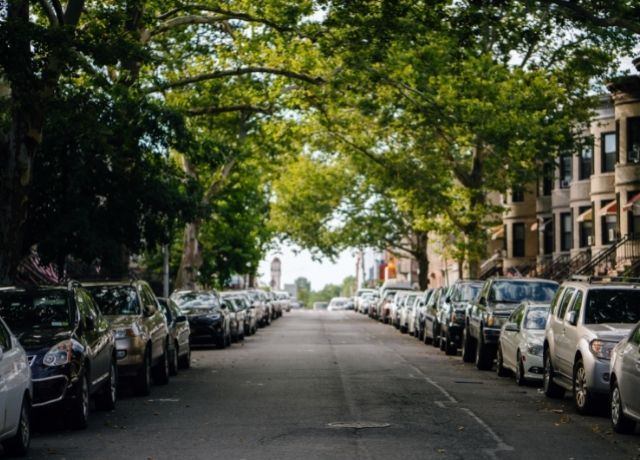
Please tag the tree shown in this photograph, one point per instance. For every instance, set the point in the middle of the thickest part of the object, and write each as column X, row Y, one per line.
column 303, row 286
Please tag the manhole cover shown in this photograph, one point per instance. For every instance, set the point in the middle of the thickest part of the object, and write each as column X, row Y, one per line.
column 358, row 425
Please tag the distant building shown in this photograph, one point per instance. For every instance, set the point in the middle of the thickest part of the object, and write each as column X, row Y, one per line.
column 276, row 274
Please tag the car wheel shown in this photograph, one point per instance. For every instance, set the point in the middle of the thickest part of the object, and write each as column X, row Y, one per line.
column 620, row 422
column 451, row 348
column 500, row 369
column 549, row 386
column 173, row 363
column 80, row 406
column 221, row 342
column 185, row 361
column 468, row 347
column 142, row 384
column 581, row 394
column 18, row 445
column 161, row 371
column 227, row 339
column 484, row 359
column 443, row 341
column 106, row 400
column 436, row 341
column 520, row 379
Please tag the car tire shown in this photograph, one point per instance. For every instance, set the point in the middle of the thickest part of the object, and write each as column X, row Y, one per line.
column 619, row 422
column 184, row 362
column 80, row 405
column 142, row 383
column 484, row 358
column 161, row 371
column 106, row 399
column 436, row 338
column 173, row 362
column 450, row 349
column 442, row 341
column 500, row 369
column 582, row 397
column 221, row 342
column 550, row 388
column 520, row 378
column 18, row 445
column 468, row 347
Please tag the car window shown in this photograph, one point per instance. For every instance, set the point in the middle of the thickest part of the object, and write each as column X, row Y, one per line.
column 33, row 310
column 557, row 300
column 466, row 292
column 5, row 338
column 566, row 298
column 85, row 306
column 536, row 318
column 516, row 316
column 612, row 306
column 116, row 300
column 515, row 291
column 635, row 336
column 576, row 305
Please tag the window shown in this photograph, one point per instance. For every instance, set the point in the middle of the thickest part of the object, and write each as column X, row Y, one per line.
column 633, row 140
column 576, row 305
column 565, row 171
column 547, row 179
column 568, row 293
column 609, row 225
column 547, row 238
column 566, row 238
column 585, row 228
column 557, row 299
column 586, row 162
column 609, row 148
column 517, row 194
column 518, row 240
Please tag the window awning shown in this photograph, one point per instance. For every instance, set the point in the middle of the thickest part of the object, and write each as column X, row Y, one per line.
column 632, row 200
column 610, row 210
column 497, row 232
column 586, row 216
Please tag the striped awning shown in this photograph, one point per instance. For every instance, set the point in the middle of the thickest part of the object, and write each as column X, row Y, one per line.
column 630, row 203
column 610, row 210
column 586, row 216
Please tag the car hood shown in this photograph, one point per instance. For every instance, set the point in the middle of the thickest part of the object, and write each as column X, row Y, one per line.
column 533, row 336
column 36, row 340
column 613, row 332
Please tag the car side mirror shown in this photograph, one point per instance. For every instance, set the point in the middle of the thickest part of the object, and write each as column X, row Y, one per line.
column 572, row 318
column 149, row 310
column 181, row 319
column 512, row 327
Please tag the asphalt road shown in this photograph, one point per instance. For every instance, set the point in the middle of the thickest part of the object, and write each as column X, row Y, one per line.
column 294, row 390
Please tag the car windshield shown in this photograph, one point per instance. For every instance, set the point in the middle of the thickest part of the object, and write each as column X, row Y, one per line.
column 612, row 306
column 466, row 292
column 36, row 310
column 536, row 318
column 116, row 300
column 512, row 291
column 199, row 301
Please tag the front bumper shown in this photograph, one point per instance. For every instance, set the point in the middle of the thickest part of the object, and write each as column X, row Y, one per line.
column 454, row 334
column 533, row 366
column 130, row 355
column 491, row 335
column 598, row 376
column 205, row 332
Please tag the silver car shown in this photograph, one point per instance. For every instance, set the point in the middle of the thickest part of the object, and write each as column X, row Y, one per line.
column 520, row 344
column 586, row 321
column 625, row 382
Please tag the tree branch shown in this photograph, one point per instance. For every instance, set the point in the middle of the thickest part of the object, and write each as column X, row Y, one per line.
column 181, row 21
column 214, row 110
column 73, row 11
column 234, row 73
column 577, row 11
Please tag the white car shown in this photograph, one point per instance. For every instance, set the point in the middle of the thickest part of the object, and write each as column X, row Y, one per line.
column 338, row 303
column 625, row 381
column 15, row 394
column 521, row 344
column 406, row 311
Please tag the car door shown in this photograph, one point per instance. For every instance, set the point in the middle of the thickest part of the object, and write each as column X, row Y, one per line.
column 96, row 333
column 564, row 349
column 509, row 339
column 154, row 320
column 630, row 380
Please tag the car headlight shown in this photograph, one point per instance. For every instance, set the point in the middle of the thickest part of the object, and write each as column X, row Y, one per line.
column 491, row 321
column 535, row 349
column 132, row 331
column 602, row 349
column 60, row 354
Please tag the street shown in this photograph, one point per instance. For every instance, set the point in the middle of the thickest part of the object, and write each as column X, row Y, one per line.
column 336, row 385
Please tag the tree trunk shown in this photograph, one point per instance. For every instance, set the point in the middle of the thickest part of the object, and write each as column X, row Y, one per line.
column 191, row 261
column 422, row 241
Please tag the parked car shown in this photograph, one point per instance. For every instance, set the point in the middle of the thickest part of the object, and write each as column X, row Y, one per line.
column 179, row 347
column 407, row 311
column 142, row 335
column 495, row 303
column 419, row 313
column 431, row 315
column 338, row 303
column 285, row 300
column 391, row 309
column 236, row 318
column 359, row 298
column 625, row 382
column 586, row 322
column 242, row 302
column 365, row 302
column 260, row 300
column 69, row 345
column 16, row 394
column 521, row 343
column 320, row 306
column 208, row 322
column 453, row 312
column 275, row 304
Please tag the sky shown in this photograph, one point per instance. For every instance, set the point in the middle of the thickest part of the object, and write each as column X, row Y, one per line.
column 297, row 265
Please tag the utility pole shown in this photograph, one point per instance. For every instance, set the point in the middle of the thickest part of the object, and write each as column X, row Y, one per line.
column 165, row 254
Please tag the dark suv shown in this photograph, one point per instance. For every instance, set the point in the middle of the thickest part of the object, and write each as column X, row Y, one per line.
column 70, row 347
column 453, row 313
column 498, row 298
